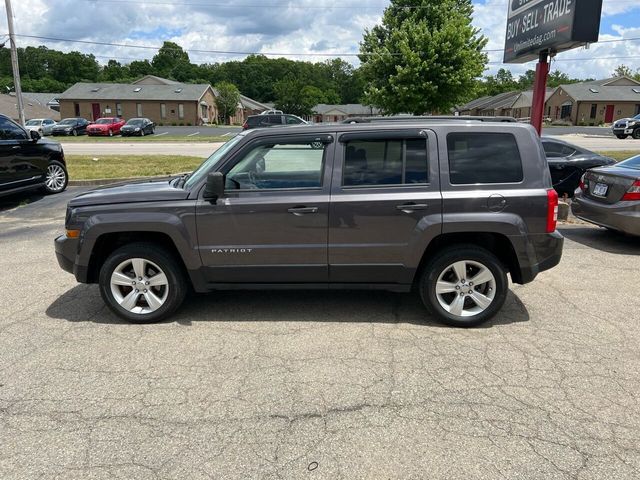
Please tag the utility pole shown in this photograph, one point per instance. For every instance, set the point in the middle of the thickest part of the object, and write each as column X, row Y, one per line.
column 14, row 62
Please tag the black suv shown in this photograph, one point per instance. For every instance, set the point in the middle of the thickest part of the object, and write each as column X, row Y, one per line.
column 271, row 120
column 28, row 161
column 445, row 207
column 627, row 126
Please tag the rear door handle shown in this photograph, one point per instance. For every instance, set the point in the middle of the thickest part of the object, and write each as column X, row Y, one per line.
column 412, row 207
column 299, row 211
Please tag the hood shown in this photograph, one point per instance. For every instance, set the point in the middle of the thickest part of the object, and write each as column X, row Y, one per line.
column 100, row 126
column 130, row 127
column 625, row 120
column 62, row 127
column 143, row 191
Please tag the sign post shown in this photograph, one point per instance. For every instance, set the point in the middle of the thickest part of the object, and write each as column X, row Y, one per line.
column 543, row 28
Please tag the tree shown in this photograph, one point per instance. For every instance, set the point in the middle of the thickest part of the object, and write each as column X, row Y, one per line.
column 227, row 99
column 622, row 71
column 296, row 98
column 168, row 57
column 422, row 59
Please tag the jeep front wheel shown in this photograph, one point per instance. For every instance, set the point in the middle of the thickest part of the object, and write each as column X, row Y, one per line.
column 636, row 134
column 142, row 283
column 464, row 286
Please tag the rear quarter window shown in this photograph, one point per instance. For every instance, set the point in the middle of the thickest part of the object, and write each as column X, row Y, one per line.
column 483, row 158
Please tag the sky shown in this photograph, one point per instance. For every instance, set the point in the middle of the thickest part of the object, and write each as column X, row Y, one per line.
column 282, row 27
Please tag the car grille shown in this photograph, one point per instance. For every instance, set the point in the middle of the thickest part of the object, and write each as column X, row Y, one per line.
column 620, row 125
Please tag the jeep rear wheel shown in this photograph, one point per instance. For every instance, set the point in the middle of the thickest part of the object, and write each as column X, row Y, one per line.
column 142, row 283
column 464, row 286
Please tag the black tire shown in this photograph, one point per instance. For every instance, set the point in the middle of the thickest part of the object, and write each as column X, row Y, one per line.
column 75, row 133
column 636, row 134
column 177, row 284
column 439, row 263
column 48, row 188
column 142, row 132
column 622, row 137
column 111, row 133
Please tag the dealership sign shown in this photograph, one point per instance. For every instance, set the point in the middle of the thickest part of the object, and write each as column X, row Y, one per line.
column 554, row 25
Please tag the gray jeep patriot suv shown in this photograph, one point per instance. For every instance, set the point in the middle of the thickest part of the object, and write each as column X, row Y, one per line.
column 446, row 207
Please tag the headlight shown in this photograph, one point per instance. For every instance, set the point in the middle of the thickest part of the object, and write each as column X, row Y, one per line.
column 68, row 129
column 632, row 122
column 137, row 129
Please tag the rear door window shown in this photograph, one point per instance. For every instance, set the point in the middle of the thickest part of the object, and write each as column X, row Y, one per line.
column 483, row 158
column 385, row 162
column 557, row 150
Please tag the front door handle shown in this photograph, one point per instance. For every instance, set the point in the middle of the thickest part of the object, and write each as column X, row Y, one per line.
column 412, row 207
column 299, row 211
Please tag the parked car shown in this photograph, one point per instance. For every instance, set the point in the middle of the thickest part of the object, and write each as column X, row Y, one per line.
column 269, row 120
column 107, row 126
column 610, row 197
column 28, row 161
column 44, row 126
column 627, row 126
column 568, row 162
column 71, row 126
column 363, row 206
column 138, row 126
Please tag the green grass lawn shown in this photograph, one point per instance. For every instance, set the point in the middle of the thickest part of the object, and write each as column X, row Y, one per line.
column 146, row 139
column 84, row 167
column 620, row 155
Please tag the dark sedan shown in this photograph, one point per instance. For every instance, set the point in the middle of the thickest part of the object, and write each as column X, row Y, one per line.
column 138, row 126
column 610, row 197
column 568, row 162
column 71, row 126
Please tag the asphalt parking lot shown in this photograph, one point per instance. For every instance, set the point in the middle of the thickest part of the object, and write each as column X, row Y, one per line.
column 314, row 384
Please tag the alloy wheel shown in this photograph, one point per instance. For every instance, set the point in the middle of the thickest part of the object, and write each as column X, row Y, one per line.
column 139, row 286
column 55, row 178
column 466, row 288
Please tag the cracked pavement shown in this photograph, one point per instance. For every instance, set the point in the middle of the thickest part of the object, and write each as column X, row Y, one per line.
column 291, row 385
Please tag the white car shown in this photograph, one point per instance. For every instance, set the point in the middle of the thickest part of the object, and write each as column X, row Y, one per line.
column 44, row 126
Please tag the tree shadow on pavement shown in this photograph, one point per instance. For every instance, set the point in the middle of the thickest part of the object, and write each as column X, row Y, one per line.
column 84, row 304
column 603, row 239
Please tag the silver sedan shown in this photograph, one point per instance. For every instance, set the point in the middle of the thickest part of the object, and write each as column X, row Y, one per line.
column 44, row 126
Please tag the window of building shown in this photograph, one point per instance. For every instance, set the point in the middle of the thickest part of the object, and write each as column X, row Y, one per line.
column 76, row 109
column 565, row 111
column 163, row 110
column 180, row 110
column 139, row 109
column 279, row 166
column 594, row 110
column 385, row 162
column 119, row 109
column 483, row 158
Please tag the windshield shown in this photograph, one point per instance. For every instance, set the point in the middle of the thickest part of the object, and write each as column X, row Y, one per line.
column 135, row 121
column 67, row 121
column 104, row 121
column 209, row 163
column 637, row 117
column 33, row 123
column 633, row 162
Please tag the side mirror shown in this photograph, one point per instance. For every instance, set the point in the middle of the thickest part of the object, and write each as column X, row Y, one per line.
column 214, row 189
column 35, row 135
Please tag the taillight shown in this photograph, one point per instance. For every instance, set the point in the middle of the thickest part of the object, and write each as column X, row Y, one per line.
column 584, row 183
column 633, row 193
column 552, row 210
column 245, row 125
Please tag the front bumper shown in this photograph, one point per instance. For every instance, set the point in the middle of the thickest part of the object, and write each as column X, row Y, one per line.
column 66, row 253
column 621, row 216
column 622, row 131
column 57, row 133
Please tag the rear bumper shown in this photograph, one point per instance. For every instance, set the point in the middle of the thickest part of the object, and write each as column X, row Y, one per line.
column 622, row 216
column 66, row 253
column 541, row 252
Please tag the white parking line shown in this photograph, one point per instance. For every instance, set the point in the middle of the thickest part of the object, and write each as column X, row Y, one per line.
column 193, row 134
column 160, row 134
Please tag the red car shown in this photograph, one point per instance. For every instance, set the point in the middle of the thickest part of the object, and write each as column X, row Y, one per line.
column 108, row 126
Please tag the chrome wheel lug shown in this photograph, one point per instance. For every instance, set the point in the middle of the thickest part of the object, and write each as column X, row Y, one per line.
column 145, row 291
column 139, row 279
column 137, row 291
column 133, row 283
column 146, row 283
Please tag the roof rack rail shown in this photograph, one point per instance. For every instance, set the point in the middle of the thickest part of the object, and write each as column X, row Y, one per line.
column 431, row 118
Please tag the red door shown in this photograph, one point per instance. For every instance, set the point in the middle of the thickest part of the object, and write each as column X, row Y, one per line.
column 608, row 116
column 96, row 111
